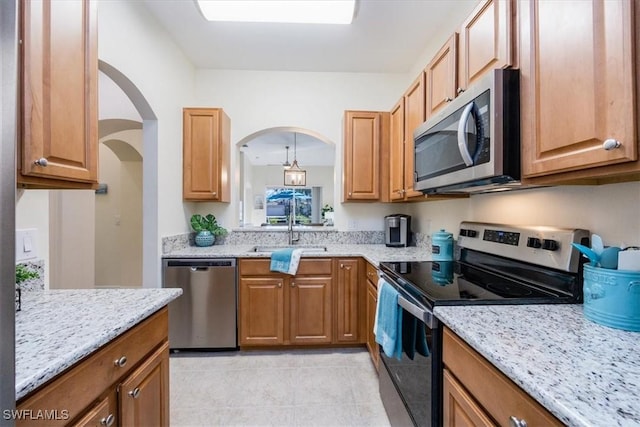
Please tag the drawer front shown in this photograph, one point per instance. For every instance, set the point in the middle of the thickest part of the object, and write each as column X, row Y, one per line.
column 78, row 387
column 307, row 266
column 372, row 274
column 498, row 395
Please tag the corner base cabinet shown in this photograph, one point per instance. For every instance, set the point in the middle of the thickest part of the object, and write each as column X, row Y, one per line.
column 124, row 383
column 475, row 393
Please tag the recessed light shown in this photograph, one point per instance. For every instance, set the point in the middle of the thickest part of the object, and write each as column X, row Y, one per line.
column 284, row 11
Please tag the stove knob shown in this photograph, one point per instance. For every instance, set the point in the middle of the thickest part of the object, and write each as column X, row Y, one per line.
column 549, row 245
column 533, row 242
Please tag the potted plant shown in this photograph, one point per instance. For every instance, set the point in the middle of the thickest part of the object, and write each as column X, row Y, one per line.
column 206, row 228
column 22, row 275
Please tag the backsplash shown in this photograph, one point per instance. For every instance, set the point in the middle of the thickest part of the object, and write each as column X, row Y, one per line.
column 333, row 237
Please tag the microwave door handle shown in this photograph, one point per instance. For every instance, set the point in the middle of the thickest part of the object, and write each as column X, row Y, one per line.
column 462, row 141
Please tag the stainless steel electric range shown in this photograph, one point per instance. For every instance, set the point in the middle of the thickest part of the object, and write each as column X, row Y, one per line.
column 494, row 264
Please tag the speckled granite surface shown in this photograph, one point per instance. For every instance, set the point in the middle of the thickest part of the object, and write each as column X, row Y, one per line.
column 57, row 328
column 584, row 373
column 375, row 254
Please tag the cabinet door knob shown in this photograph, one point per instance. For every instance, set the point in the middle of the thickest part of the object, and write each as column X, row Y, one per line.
column 516, row 422
column 108, row 420
column 215, row 193
column 293, row 284
column 41, row 162
column 447, row 99
column 279, row 285
column 611, row 144
column 120, row 362
column 135, row 393
column 459, row 91
column 349, row 194
column 341, row 265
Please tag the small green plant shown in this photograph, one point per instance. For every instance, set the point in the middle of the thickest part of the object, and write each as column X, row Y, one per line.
column 23, row 274
column 208, row 223
column 326, row 208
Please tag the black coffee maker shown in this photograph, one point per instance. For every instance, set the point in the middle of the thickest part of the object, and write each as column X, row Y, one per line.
column 397, row 230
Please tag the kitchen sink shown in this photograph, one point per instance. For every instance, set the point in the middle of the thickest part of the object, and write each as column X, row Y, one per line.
column 269, row 249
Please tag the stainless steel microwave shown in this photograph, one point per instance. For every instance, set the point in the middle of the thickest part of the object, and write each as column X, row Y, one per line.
column 473, row 144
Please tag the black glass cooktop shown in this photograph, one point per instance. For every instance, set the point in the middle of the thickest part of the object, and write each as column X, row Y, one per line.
column 454, row 283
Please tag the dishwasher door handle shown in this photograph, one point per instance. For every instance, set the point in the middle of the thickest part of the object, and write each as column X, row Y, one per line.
column 194, row 269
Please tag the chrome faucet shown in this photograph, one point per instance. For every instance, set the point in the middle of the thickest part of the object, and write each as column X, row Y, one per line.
column 292, row 216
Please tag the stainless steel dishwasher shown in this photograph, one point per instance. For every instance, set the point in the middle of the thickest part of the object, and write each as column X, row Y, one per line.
column 205, row 315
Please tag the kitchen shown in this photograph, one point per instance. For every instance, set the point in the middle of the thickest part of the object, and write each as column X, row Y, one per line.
column 124, row 24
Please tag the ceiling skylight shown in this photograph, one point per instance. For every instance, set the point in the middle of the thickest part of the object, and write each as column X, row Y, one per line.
column 290, row 11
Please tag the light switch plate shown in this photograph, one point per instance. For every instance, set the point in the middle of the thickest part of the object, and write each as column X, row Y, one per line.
column 26, row 244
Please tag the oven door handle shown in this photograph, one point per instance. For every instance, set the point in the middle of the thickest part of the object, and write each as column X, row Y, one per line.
column 423, row 314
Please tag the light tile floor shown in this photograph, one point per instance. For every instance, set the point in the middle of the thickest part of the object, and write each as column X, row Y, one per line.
column 329, row 387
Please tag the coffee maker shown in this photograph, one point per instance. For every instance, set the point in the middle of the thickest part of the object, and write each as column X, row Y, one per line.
column 397, row 230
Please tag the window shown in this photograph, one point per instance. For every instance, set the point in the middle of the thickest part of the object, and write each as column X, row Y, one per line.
column 279, row 203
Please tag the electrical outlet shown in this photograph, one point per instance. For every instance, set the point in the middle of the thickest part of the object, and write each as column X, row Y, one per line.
column 352, row 224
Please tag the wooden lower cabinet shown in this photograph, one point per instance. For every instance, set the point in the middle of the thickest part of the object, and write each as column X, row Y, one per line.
column 347, row 300
column 476, row 393
column 124, row 383
column 278, row 309
column 261, row 314
column 372, row 302
column 140, row 395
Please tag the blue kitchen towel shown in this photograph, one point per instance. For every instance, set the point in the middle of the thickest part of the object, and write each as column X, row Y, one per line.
column 286, row 260
column 388, row 322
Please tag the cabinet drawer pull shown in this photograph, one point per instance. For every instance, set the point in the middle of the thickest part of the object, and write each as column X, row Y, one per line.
column 120, row 362
column 135, row 393
column 108, row 420
column 611, row 144
column 41, row 162
column 516, row 422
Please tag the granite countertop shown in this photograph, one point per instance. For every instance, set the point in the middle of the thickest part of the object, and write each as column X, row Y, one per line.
column 584, row 373
column 57, row 328
column 375, row 254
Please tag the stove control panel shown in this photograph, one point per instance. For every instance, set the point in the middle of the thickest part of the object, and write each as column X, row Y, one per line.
column 545, row 246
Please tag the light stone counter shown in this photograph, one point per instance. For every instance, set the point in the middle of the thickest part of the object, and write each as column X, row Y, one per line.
column 375, row 254
column 584, row 373
column 57, row 328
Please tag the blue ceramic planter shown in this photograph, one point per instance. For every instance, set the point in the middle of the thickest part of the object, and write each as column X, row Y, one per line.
column 204, row 238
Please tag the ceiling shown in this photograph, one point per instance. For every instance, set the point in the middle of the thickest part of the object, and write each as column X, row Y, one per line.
column 386, row 36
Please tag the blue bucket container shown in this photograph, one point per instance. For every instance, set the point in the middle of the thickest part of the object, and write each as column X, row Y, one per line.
column 612, row 297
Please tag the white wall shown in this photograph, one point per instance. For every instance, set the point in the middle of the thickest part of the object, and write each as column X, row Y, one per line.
column 32, row 211
column 609, row 210
column 132, row 41
column 118, row 220
column 256, row 100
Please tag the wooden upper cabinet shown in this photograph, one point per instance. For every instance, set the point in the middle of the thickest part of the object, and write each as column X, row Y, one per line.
column 58, row 94
column 414, row 116
column 396, row 152
column 441, row 75
column 486, row 41
column 366, row 133
column 206, row 155
column 578, row 88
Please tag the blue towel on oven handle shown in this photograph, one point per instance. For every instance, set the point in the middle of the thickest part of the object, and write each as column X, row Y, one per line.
column 388, row 321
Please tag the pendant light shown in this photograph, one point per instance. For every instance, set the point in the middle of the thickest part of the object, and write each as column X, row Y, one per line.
column 294, row 176
column 286, row 164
